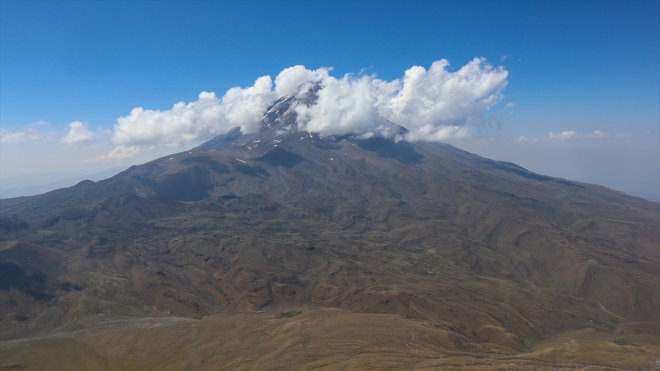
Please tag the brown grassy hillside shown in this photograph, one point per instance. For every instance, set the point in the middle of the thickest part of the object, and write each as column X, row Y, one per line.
column 483, row 262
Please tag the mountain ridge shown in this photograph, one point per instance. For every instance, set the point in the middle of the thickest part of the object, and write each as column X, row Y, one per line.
column 485, row 252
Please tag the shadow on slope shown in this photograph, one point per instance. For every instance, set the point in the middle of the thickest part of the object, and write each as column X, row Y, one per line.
column 281, row 157
column 401, row 151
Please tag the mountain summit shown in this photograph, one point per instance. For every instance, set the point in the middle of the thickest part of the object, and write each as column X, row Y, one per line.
column 314, row 243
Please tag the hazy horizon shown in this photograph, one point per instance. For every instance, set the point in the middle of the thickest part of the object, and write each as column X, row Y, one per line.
column 582, row 171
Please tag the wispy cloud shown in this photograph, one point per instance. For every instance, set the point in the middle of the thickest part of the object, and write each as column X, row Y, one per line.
column 568, row 134
column 119, row 153
column 571, row 134
column 562, row 136
column 598, row 134
column 27, row 133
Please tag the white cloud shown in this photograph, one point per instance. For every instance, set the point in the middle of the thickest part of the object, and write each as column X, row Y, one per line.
column 26, row 133
column 78, row 133
column 439, row 98
column 347, row 105
column 434, row 104
column 13, row 137
column 568, row 134
column 298, row 78
column 200, row 119
column 521, row 139
column 438, row 133
column 598, row 134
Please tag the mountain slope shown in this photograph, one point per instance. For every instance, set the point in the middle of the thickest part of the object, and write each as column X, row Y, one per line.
column 488, row 256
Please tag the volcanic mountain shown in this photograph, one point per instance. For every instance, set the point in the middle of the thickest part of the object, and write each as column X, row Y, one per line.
column 284, row 249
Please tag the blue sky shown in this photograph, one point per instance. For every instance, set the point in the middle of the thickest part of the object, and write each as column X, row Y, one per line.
column 583, row 67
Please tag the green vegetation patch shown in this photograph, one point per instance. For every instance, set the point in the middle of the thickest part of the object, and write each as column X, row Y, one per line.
column 624, row 341
column 405, row 251
column 289, row 314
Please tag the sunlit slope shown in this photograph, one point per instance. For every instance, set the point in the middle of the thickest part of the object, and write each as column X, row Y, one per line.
column 492, row 255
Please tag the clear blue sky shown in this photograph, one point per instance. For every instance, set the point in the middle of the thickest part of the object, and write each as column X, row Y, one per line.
column 581, row 66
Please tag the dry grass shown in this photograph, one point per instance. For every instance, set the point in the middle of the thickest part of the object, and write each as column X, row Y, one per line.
column 438, row 259
column 316, row 339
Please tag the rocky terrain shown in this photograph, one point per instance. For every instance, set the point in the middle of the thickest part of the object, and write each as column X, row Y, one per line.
column 286, row 250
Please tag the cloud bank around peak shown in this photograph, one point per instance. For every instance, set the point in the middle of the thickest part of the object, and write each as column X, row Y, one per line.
column 434, row 104
column 187, row 122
